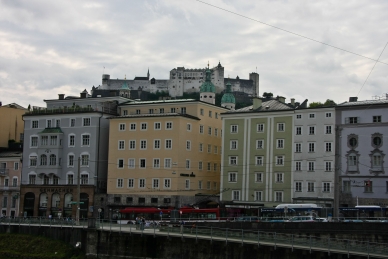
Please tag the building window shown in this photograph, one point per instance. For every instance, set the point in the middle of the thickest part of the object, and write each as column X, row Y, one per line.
column 172, row 110
column 44, row 140
column 377, row 161
column 368, row 186
column 131, row 163
column 258, row 196
column 120, row 183
column 352, row 162
column 232, row 177
column 168, row 125
column 233, row 160
column 377, row 140
column 259, row 144
column 377, row 118
column 167, row 183
column 311, row 147
column 183, row 110
column 352, row 120
column 48, row 124
column 125, row 112
column 5, row 202
column 121, row 145
column 33, row 160
column 201, row 129
column 143, row 126
column 280, row 126
column 279, row 160
column 187, row 164
column 326, row 187
column 32, row 179
column 84, row 160
column 167, row 163
column 132, row 126
column 209, row 130
column 142, row 183
column 279, row 178
column 258, row 177
column 188, row 126
column 216, row 115
column 187, row 184
column 233, row 144
column 299, row 116
column 311, row 166
column 328, row 114
column 298, row 147
column 216, row 132
column 200, row 147
column 120, row 163
column 209, row 165
column 298, row 130
column 53, row 159
column 352, row 142
column 157, row 126
column 312, row 115
column 132, row 144
column 328, row 167
column 34, row 141
column 200, row 185
column 259, row 160
column 328, row 130
column 71, row 140
column 236, row 195
column 85, row 140
column 347, row 187
column 84, row 178
column 279, row 196
column 215, row 149
column 53, row 140
column 298, row 166
column 143, row 144
column 298, row 186
column 35, row 124
column 209, row 148
column 168, row 143
column 138, row 111
column 328, row 146
column 156, row 143
column 260, row 127
column 210, row 114
column 155, row 183
column 142, row 163
column 70, row 179
column 150, row 111
column 43, row 160
column 156, row 163
column 161, row 110
column 200, row 165
column 311, row 130
column 86, row 122
column 188, row 145
column 131, row 183
column 233, row 128
column 280, row 143
column 121, row 126
column 70, row 160
column 72, row 123
column 310, row 187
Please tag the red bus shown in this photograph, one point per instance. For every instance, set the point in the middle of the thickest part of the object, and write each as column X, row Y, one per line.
column 184, row 213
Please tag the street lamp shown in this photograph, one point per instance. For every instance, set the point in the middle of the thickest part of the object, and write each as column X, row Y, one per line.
column 99, row 215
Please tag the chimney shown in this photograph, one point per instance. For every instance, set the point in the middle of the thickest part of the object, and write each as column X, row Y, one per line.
column 293, row 101
column 61, row 96
column 281, row 99
column 353, row 99
column 256, row 103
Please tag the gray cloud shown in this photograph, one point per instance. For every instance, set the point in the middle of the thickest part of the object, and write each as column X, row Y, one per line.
column 52, row 47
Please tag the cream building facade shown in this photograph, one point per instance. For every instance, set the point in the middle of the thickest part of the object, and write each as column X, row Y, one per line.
column 164, row 153
column 12, row 124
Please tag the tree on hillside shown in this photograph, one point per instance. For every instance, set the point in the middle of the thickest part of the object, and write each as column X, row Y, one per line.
column 267, row 95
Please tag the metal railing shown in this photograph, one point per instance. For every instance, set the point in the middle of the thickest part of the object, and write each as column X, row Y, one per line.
column 243, row 236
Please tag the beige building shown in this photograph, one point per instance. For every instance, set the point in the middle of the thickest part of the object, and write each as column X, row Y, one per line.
column 12, row 124
column 164, row 153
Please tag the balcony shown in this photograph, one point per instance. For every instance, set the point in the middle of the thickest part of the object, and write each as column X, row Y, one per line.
column 4, row 171
column 9, row 188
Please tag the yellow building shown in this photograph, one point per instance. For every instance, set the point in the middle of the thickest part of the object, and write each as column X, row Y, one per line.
column 12, row 124
column 164, row 153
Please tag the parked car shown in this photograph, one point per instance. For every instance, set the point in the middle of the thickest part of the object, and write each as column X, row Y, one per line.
column 321, row 220
column 279, row 220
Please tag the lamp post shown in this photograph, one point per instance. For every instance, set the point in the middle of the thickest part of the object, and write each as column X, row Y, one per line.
column 99, row 215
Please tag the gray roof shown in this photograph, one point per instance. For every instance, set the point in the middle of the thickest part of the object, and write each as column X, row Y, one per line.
column 366, row 102
column 158, row 101
column 273, row 105
column 155, row 115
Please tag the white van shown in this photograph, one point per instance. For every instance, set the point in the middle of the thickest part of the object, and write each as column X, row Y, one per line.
column 302, row 219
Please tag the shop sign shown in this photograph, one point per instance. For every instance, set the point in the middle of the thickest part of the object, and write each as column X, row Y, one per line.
column 64, row 190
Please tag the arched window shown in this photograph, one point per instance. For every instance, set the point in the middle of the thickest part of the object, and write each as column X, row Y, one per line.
column 43, row 160
column 53, row 159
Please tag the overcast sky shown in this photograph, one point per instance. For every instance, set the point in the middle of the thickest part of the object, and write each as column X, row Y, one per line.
column 53, row 47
